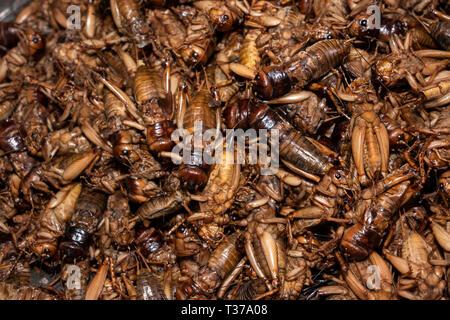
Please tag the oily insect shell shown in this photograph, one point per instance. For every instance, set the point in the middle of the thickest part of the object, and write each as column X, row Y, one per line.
column 35, row 43
column 159, row 136
column 440, row 31
column 148, row 287
column 8, row 34
column 149, row 241
column 236, row 114
column 11, row 137
column 272, row 82
column 222, row 18
column 88, row 210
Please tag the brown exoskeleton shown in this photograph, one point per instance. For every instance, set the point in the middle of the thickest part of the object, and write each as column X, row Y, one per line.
column 413, row 66
column 200, row 39
column 152, row 247
column 27, row 292
column 369, row 136
column 224, row 15
column 26, row 167
column 302, row 155
column 170, row 30
column 417, row 260
column 305, row 110
column 370, row 144
column 328, row 197
column 393, row 23
column 304, row 67
column 76, row 277
column 195, row 119
column 61, row 171
column 148, row 287
column 162, row 205
column 265, row 243
column 117, row 225
column 249, row 57
column 64, row 141
column 436, row 149
column 155, row 102
column 9, row 34
column 187, row 242
column 53, row 220
column 217, row 197
column 370, row 279
column 129, row 19
column 31, row 44
column 440, row 31
column 220, row 264
column 87, row 214
column 375, row 211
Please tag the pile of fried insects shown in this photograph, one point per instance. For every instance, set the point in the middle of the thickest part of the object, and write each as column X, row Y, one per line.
column 353, row 95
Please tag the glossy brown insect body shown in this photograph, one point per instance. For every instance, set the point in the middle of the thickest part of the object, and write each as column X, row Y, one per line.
column 148, row 287
column 199, row 116
column 329, row 195
column 269, row 251
column 126, row 147
column 139, row 190
column 54, row 218
column 15, row 292
column 200, row 40
column 130, row 20
column 305, row 6
column 11, row 137
column 125, row 140
column 391, row 25
column 218, row 196
column 8, row 34
column 295, row 149
column 360, row 27
column 31, row 44
column 117, row 227
column 225, row 18
column 161, row 205
column 440, row 31
column 370, row 144
column 356, row 274
column 88, row 212
column 187, row 243
column 307, row 115
column 156, row 105
column 221, row 262
column 374, row 219
column 304, row 67
column 149, row 241
column 151, row 245
column 397, row 134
